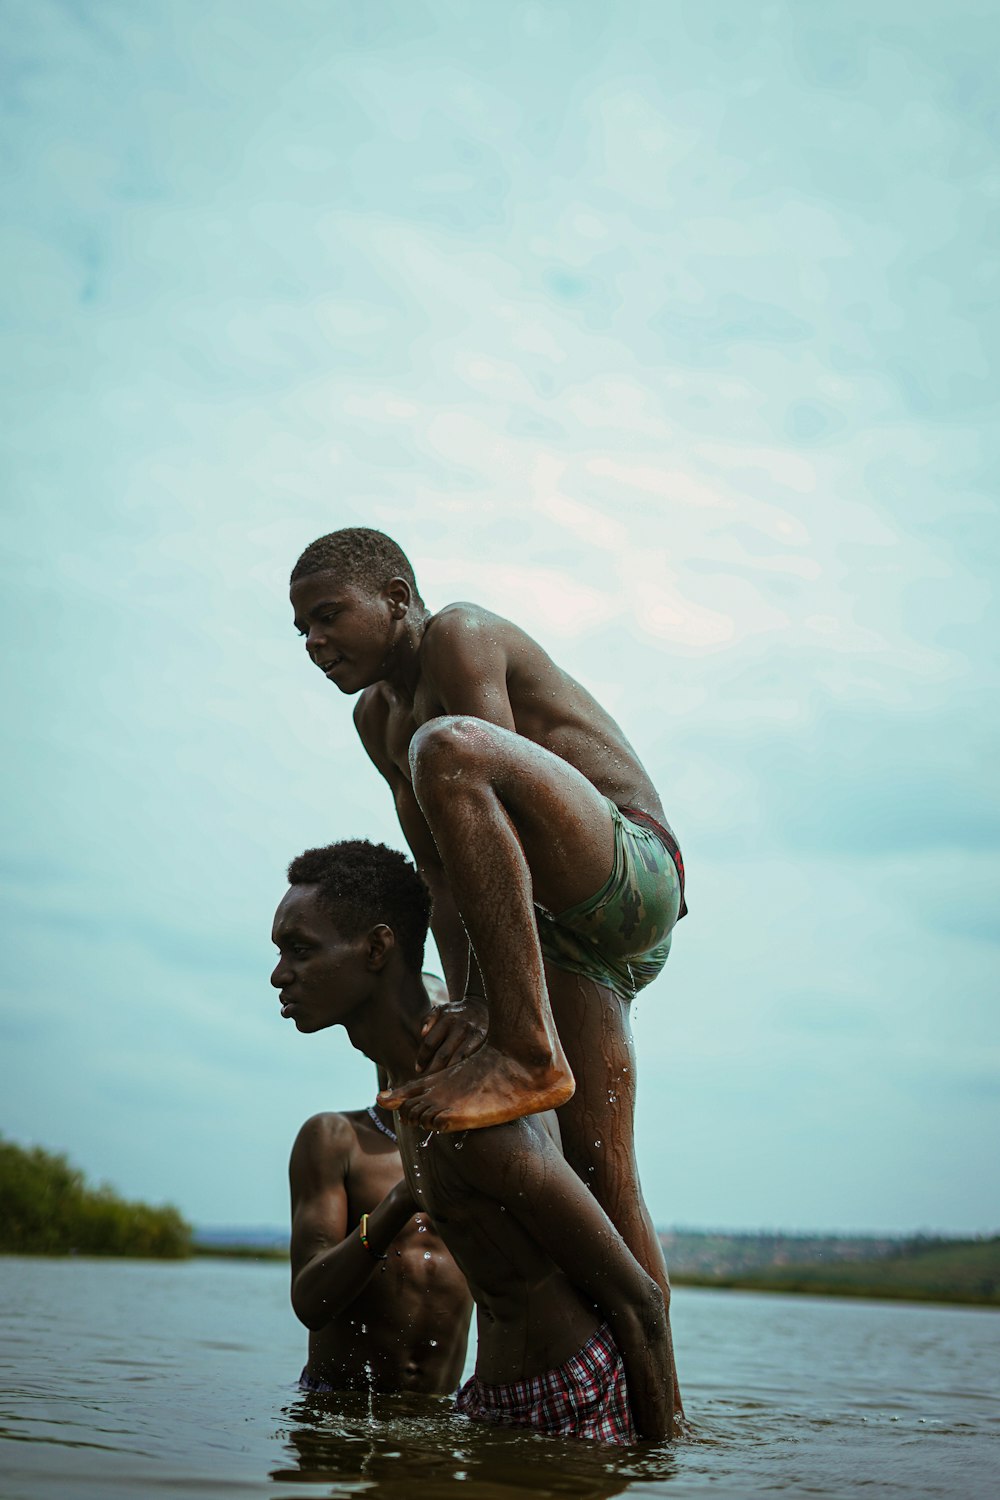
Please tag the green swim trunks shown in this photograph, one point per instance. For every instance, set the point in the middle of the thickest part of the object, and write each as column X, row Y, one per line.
column 620, row 937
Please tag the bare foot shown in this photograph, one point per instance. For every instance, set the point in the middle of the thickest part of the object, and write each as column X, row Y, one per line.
column 487, row 1088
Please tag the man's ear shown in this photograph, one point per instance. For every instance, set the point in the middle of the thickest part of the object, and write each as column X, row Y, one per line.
column 381, row 941
column 400, row 597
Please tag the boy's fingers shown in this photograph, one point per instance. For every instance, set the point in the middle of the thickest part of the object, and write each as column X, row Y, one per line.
column 430, row 1045
column 446, row 1053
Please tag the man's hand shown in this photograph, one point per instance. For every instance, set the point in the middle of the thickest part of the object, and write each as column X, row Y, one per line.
column 452, row 1033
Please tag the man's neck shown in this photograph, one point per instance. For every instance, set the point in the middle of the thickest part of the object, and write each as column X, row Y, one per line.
column 387, row 1027
column 403, row 666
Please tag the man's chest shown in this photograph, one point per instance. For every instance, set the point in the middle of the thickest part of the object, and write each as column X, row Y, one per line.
column 402, row 722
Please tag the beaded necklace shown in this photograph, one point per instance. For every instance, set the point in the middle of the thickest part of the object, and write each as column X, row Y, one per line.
column 373, row 1116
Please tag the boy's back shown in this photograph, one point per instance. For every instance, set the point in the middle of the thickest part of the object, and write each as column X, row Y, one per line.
column 466, row 648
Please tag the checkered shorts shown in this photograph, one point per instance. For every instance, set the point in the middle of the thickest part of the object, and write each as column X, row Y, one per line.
column 586, row 1397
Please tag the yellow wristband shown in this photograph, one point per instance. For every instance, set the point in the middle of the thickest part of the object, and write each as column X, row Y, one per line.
column 364, row 1238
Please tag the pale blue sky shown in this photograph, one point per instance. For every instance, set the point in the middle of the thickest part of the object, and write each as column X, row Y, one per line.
column 669, row 330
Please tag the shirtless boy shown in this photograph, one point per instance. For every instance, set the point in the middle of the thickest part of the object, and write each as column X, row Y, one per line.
column 572, row 1331
column 542, row 840
column 395, row 1323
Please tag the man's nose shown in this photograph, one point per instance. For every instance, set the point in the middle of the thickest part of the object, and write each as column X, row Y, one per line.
column 279, row 974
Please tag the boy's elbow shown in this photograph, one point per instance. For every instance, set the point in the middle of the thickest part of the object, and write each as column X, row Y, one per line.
column 307, row 1313
column 648, row 1318
column 653, row 1311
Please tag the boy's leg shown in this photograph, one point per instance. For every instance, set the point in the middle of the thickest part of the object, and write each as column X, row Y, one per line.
column 597, row 1123
column 512, row 824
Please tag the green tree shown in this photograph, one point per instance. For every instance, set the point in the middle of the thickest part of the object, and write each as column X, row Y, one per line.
column 46, row 1208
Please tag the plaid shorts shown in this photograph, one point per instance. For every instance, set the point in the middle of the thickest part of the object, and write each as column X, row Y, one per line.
column 315, row 1384
column 586, row 1397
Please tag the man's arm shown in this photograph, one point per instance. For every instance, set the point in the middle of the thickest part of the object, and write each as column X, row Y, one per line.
column 520, row 1166
column 446, row 924
column 458, row 1029
column 329, row 1266
column 464, row 662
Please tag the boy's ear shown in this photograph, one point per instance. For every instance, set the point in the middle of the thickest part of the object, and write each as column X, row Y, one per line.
column 381, row 941
column 400, row 597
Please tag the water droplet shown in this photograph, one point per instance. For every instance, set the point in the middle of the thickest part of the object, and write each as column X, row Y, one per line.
column 427, row 1255
column 597, row 1143
column 421, row 1228
column 433, row 1343
column 430, row 1133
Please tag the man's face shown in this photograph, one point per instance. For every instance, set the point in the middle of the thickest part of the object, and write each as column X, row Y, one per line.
column 348, row 632
column 321, row 975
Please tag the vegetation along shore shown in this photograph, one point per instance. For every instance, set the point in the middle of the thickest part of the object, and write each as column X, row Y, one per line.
column 47, row 1208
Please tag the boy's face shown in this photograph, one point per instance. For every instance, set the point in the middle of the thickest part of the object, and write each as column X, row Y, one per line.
column 348, row 632
column 321, row 975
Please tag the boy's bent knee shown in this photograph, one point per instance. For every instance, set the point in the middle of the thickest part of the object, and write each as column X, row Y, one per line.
column 450, row 746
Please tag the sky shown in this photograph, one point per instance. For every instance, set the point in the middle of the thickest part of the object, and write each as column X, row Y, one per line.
column 667, row 330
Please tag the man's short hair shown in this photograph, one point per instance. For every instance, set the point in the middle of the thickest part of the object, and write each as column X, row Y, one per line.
column 359, row 555
column 362, row 884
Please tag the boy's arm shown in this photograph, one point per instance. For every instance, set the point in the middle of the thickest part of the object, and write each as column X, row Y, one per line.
column 520, row 1166
column 450, row 1034
column 446, row 924
column 464, row 660
column 457, row 1029
column 329, row 1266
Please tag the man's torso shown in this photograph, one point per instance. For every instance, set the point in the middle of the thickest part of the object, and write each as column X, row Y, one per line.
column 530, row 1316
column 549, row 708
column 407, row 1329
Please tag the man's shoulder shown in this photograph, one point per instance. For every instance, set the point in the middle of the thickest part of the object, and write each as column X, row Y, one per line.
column 327, row 1136
column 498, row 1149
column 463, row 626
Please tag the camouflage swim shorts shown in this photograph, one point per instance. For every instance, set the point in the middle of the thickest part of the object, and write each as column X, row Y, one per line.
column 621, row 936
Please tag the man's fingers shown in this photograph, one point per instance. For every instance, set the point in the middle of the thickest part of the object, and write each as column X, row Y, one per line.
column 445, row 1054
column 428, row 1050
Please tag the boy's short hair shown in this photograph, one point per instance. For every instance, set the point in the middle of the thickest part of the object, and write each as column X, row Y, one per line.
column 359, row 555
column 362, row 884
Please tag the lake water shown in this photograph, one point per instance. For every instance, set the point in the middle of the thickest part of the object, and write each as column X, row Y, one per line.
column 137, row 1379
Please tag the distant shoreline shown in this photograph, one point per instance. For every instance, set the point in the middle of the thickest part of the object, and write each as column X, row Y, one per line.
column 875, row 1292
column 920, row 1269
column 798, row 1282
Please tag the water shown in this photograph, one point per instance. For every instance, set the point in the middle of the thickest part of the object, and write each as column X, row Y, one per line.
column 130, row 1379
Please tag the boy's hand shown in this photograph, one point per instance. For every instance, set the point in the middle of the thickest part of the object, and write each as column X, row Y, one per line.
column 452, row 1033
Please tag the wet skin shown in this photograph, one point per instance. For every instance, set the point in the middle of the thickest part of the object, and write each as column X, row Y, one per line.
column 399, row 1324
column 543, row 1260
column 499, row 763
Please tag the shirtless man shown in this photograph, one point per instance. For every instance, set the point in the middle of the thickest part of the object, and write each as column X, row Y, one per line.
column 541, row 839
column 386, row 1306
column 572, row 1331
